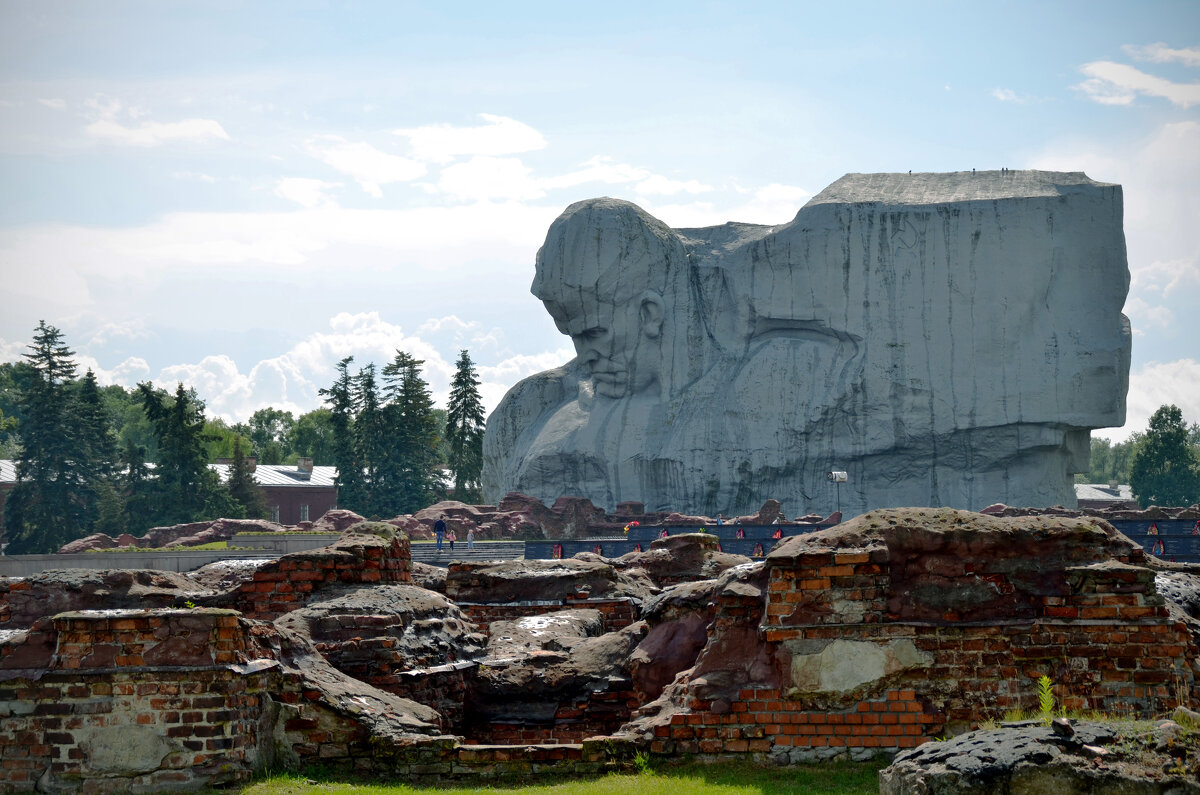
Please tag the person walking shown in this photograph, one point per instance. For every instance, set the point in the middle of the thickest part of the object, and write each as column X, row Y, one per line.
column 470, row 538
column 451, row 537
column 439, row 530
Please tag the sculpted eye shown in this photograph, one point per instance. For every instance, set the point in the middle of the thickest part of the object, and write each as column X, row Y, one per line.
column 593, row 333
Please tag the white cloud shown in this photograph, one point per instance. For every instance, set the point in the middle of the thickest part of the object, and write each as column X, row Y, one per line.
column 771, row 204
column 1167, row 277
column 488, row 179
column 1112, row 83
column 369, row 167
column 1156, row 384
column 308, row 193
column 1143, row 315
column 108, row 332
column 1006, row 95
column 442, row 143
column 128, row 373
column 1161, row 53
column 54, row 104
column 598, row 169
column 450, row 323
column 156, row 133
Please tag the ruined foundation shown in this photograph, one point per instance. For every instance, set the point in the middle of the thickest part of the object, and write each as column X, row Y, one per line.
column 877, row 635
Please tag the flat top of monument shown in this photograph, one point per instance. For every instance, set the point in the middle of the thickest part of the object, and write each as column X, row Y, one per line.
column 953, row 186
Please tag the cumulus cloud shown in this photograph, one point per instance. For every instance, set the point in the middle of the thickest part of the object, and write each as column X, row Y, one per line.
column 291, row 381
column 1006, row 95
column 1156, row 384
column 442, row 143
column 308, row 193
column 368, row 166
column 490, row 179
column 1112, row 83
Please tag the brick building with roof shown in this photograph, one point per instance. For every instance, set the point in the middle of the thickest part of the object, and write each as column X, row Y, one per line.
column 295, row 493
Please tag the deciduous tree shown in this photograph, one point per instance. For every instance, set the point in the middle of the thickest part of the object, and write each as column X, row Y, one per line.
column 1164, row 469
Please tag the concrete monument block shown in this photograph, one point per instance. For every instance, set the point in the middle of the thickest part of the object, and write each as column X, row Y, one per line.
column 945, row 339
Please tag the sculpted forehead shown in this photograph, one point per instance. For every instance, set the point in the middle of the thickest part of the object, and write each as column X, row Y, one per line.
column 603, row 251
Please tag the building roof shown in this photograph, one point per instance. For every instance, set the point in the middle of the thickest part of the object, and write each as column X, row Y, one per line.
column 1102, row 491
column 264, row 474
column 285, row 475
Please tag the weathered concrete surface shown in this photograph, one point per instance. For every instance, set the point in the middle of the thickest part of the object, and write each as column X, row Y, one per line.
column 537, row 665
column 364, row 631
column 1142, row 758
column 946, row 339
column 61, row 590
column 541, row 580
column 681, row 558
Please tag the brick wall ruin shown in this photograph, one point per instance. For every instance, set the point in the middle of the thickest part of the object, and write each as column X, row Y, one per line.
column 876, row 635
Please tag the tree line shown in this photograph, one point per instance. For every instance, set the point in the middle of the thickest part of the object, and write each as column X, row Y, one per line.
column 1161, row 464
column 113, row 460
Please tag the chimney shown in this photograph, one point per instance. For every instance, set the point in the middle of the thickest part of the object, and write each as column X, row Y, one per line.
column 304, row 465
column 252, row 462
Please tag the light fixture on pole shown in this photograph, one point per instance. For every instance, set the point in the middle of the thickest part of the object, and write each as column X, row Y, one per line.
column 838, row 477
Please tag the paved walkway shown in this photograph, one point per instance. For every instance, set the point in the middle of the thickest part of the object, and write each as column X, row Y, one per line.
column 426, row 551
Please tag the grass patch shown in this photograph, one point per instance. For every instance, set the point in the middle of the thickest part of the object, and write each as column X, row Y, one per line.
column 211, row 545
column 732, row 778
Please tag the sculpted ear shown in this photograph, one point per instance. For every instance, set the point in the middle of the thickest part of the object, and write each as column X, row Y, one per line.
column 651, row 314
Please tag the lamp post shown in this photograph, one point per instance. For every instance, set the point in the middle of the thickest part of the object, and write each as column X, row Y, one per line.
column 838, row 477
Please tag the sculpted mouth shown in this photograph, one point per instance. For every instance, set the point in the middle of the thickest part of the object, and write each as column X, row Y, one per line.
column 609, row 376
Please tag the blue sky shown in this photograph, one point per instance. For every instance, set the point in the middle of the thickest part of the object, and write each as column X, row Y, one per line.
column 239, row 194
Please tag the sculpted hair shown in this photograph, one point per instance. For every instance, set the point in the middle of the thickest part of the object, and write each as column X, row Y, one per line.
column 607, row 249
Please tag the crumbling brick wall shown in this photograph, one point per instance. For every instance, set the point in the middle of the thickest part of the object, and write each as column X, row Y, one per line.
column 889, row 640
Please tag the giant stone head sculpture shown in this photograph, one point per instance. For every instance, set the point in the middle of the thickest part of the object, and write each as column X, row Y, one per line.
column 946, row 339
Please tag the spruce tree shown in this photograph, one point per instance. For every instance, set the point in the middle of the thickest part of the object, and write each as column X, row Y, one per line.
column 1164, row 470
column 185, row 489
column 414, row 466
column 340, row 398
column 464, row 431
column 136, row 486
column 51, row 503
column 371, row 445
column 98, row 447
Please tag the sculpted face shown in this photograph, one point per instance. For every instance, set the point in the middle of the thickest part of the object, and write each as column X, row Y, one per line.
column 621, row 344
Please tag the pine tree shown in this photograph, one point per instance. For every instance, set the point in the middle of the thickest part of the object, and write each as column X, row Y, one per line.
column 1164, row 470
column 413, row 463
column 464, row 430
column 244, row 487
column 50, row 505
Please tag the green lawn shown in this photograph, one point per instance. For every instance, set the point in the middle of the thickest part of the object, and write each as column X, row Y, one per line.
column 691, row 779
